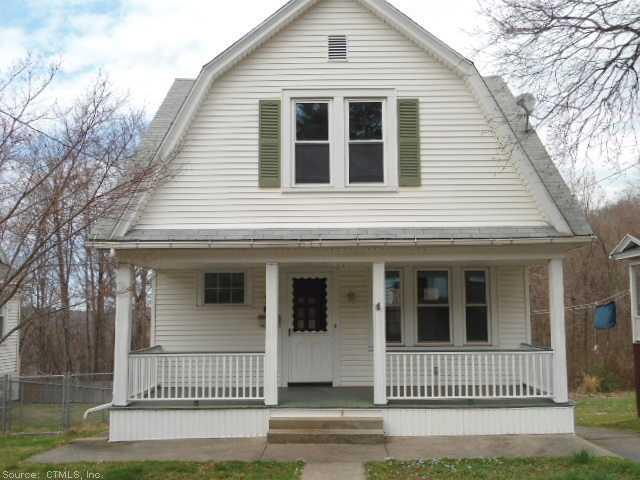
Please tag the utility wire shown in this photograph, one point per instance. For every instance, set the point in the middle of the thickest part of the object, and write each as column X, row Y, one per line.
column 585, row 306
column 615, row 174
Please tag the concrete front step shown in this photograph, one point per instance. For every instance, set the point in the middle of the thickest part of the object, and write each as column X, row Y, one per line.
column 325, row 435
column 319, row 423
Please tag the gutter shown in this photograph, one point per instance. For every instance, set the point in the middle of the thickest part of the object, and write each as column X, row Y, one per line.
column 317, row 243
column 97, row 409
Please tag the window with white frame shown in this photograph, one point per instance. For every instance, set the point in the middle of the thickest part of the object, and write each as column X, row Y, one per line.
column 312, row 143
column 365, row 151
column 433, row 306
column 224, row 288
column 476, row 306
column 393, row 300
column 340, row 140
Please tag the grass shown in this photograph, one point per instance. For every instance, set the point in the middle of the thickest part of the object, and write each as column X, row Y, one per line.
column 579, row 467
column 14, row 450
column 47, row 417
column 615, row 410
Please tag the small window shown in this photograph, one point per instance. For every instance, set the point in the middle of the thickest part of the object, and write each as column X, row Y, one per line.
column 476, row 306
column 337, row 47
column 393, row 300
column 224, row 288
column 433, row 307
column 366, row 146
column 312, row 147
column 2, row 309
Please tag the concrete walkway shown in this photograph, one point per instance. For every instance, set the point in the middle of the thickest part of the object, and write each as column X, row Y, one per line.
column 625, row 444
column 322, row 461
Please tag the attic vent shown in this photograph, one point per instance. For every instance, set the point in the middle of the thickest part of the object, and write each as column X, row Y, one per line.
column 337, row 47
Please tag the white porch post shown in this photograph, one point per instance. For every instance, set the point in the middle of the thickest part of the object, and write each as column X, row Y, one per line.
column 124, row 283
column 379, row 336
column 271, row 336
column 558, row 333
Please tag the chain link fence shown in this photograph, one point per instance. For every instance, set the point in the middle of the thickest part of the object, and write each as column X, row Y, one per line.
column 53, row 403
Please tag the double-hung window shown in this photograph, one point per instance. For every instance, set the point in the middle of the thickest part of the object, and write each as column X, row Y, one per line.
column 476, row 306
column 433, row 306
column 393, row 300
column 312, row 143
column 337, row 140
column 365, row 150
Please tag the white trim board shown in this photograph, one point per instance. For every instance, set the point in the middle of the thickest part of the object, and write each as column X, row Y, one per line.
column 166, row 424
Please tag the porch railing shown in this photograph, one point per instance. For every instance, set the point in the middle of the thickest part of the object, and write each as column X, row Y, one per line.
column 196, row 376
column 469, row 375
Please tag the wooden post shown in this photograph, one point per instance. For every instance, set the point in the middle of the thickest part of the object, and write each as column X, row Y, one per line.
column 379, row 335
column 122, row 344
column 636, row 366
column 558, row 332
column 271, row 335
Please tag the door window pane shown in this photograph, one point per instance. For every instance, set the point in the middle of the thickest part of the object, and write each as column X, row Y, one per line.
column 366, row 146
column 393, row 300
column 433, row 306
column 476, row 306
column 312, row 148
column 309, row 305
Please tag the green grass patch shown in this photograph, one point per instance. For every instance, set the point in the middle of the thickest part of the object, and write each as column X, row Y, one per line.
column 15, row 450
column 615, row 410
column 578, row 467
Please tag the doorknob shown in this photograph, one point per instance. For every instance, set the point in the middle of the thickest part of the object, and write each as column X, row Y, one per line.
column 378, row 306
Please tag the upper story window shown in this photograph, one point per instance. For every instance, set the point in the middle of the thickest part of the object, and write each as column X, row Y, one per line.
column 340, row 140
column 312, row 147
column 366, row 144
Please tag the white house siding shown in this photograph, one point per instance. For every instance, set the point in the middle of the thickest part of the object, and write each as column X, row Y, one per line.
column 9, row 348
column 166, row 424
column 513, row 309
column 182, row 326
column 467, row 178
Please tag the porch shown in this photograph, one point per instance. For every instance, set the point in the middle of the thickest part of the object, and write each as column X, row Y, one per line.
column 432, row 343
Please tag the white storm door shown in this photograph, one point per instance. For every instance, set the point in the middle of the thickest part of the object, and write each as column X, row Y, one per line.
column 310, row 330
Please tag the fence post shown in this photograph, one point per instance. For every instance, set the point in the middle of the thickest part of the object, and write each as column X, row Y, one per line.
column 6, row 399
column 66, row 402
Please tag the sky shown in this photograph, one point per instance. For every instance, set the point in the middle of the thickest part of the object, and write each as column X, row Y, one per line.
column 142, row 45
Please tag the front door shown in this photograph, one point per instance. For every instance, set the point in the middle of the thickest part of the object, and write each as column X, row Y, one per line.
column 309, row 334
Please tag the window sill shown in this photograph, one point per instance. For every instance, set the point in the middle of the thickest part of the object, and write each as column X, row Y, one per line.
column 346, row 189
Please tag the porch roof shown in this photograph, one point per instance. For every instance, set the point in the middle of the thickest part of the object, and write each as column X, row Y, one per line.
column 344, row 234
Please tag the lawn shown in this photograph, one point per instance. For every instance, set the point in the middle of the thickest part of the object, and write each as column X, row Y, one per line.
column 14, row 450
column 579, row 467
column 615, row 410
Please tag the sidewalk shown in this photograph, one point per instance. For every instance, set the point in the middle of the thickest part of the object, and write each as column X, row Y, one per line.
column 623, row 443
column 322, row 461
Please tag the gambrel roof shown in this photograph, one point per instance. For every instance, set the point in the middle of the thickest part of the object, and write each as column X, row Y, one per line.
column 185, row 96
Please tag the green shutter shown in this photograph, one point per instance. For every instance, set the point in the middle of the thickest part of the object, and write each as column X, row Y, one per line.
column 409, row 142
column 269, row 139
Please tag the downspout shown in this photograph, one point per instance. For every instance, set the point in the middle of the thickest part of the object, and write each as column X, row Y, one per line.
column 97, row 409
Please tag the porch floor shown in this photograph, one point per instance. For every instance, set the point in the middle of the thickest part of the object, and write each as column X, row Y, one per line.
column 321, row 396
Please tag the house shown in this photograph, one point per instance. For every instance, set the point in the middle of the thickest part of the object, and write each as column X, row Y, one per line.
column 628, row 251
column 9, row 316
column 346, row 232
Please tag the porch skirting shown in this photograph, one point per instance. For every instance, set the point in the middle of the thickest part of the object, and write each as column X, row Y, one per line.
column 131, row 424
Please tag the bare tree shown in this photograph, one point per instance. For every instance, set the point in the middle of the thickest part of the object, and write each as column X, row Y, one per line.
column 580, row 59
column 60, row 170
